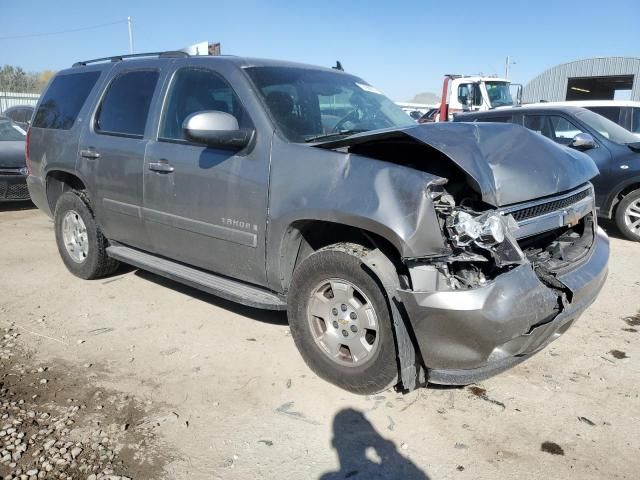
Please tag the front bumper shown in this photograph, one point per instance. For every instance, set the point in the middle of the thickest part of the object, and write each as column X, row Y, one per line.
column 13, row 188
column 465, row 336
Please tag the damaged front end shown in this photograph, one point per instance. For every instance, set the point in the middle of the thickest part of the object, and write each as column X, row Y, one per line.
column 512, row 280
column 493, row 276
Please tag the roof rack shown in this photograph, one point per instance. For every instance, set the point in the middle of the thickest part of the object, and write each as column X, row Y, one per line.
column 119, row 58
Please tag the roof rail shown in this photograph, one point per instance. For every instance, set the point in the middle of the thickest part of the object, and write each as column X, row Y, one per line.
column 119, row 58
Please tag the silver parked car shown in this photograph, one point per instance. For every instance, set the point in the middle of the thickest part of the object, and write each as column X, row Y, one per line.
column 403, row 253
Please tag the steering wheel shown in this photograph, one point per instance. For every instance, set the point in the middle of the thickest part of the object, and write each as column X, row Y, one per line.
column 353, row 115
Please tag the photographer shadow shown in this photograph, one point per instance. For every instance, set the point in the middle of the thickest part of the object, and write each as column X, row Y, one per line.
column 364, row 454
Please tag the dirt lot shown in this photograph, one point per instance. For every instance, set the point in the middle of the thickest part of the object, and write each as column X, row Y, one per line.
column 139, row 377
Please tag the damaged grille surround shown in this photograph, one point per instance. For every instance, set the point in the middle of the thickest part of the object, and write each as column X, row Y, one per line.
column 475, row 314
column 485, row 244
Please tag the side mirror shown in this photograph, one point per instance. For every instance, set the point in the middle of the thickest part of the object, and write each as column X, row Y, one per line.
column 582, row 142
column 216, row 129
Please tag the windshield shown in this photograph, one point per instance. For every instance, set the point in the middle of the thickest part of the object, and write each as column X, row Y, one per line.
column 606, row 127
column 309, row 104
column 499, row 94
column 10, row 132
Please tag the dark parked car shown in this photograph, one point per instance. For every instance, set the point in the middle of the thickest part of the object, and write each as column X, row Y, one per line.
column 20, row 114
column 623, row 112
column 615, row 150
column 13, row 170
column 403, row 253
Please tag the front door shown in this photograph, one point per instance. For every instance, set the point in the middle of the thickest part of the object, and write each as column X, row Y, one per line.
column 111, row 154
column 206, row 206
column 562, row 130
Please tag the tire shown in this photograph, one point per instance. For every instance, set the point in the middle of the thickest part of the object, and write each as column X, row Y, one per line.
column 87, row 258
column 340, row 266
column 628, row 216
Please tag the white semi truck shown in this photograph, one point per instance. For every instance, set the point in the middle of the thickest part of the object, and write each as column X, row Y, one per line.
column 462, row 93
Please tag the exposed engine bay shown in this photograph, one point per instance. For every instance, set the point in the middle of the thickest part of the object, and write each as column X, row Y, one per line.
column 483, row 243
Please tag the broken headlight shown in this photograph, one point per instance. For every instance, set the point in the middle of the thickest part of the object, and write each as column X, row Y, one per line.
column 490, row 231
column 489, row 228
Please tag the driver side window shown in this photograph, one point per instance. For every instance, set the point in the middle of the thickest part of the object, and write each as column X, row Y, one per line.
column 469, row 90
column 563, row 130
column 197, row 90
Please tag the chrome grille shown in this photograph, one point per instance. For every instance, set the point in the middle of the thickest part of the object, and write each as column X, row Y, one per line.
column 551, row 206
column 548, row 214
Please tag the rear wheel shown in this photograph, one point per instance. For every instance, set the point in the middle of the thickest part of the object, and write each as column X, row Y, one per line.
column 628, row 216
column 81, row 243
column 340, row 320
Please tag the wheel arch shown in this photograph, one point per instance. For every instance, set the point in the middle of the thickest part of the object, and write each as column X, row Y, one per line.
column 619, row 192
column 60, row 181
column 305, row 236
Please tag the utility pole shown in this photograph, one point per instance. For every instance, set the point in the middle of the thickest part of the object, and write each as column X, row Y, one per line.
column 507, row 67
column 130, row 35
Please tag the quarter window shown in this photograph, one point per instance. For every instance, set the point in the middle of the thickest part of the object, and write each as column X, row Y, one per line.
column 63, row 100
column 125, row 106
column 197, row 90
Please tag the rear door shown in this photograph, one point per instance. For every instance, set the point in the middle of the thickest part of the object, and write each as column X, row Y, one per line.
column 111, row 150
column 207, row 206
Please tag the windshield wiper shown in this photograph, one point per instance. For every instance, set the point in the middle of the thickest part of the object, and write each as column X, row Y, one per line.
column 335, row 134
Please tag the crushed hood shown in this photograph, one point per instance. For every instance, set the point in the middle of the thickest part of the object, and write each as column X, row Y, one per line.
column 507, row 163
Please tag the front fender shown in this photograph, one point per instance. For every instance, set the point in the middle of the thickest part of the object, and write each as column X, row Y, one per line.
column 387, row 199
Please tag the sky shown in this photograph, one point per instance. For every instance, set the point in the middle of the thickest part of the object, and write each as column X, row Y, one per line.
column 401, row 47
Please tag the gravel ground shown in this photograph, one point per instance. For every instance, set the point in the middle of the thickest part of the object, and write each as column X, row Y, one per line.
column 55, row 425
column 137, row 377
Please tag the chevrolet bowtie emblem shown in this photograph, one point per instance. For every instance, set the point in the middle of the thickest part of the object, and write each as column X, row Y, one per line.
column 571, row 217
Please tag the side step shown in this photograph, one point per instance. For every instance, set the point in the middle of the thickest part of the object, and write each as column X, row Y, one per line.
column 220, row 286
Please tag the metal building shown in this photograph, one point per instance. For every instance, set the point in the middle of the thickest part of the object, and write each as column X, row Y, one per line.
column 588, row 79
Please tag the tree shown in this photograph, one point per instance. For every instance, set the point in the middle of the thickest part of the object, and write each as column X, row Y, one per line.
column 426, row 98
column 15, row 79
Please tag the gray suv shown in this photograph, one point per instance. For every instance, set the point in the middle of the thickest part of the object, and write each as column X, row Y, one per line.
column 403, row 253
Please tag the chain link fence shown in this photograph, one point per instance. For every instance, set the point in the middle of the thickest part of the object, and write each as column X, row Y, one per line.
column 12, row 99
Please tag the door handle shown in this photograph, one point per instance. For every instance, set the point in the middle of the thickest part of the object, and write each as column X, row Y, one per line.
column 89, row 153
column 161, row 166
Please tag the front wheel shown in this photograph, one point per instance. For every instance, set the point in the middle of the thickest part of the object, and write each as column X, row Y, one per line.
column 81, row 243
column 628, row 216
column 340, row 320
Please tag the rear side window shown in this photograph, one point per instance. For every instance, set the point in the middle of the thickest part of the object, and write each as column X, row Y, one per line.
column 63, row 100
column 125, row 106
column 612, row 113
column 538, row 124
